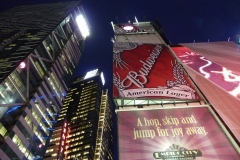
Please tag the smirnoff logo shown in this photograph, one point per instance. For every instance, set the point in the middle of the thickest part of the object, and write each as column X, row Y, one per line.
column 135, row 82
column 176, row 152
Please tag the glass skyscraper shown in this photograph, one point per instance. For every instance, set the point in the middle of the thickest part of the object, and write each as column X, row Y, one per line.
column 40, row 45
column 84, row 127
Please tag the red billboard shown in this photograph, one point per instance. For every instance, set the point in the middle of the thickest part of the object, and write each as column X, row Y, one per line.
column 148, row 70
column 172, row 134
column 223, row 77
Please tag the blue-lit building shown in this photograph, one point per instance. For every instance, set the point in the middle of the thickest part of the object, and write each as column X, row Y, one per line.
column 40, row 46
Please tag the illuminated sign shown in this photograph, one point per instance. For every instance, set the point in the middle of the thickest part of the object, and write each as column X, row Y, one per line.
column 82, row 25
column 63, row 137
column 172, row 134
column 102, row 78
column 91, row 74
column 179, row 154
column 221, row 76
column 148, row 70
column 62, row 145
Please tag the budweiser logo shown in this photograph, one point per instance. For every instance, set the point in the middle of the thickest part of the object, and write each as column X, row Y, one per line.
column 140, row 78
column 134, row 77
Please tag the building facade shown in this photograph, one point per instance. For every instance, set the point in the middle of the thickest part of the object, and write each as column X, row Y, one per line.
column 40, row 45
column 165, row 93
column 84, row 127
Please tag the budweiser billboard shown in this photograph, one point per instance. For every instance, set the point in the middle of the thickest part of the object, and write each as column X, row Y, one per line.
column 148, row 70
column 172, row 134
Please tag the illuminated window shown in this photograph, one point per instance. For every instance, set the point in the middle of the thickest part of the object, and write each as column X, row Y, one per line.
column 21, row 147
column 3, row 130
column 45, row 117
column 85, row 153
column 65, row 68
column 39, row 68
column 38, row 119
column 49, row 150
column 87, row 146
column 35, row 130
column 53, row 155
column 16, row 79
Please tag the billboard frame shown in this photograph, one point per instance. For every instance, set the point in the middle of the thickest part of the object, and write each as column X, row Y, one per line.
column 211, row 111
column 124, row 101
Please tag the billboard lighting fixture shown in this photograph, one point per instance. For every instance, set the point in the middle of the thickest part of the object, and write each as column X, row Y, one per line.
column 128, row 28
column 22, row 65
column 102, row 78
column 91, row 74
column 82, row 25
column 136, row 20
column 112, row 39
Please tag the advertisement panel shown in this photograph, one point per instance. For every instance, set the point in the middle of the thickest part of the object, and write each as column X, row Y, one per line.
column 148, row 70
column 172, row 134
column 223, row 77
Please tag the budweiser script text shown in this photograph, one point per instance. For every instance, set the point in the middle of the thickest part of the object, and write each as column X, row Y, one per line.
column 139, row 79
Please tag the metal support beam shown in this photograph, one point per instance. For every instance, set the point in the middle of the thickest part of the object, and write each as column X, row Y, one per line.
column 28, row 66
column 11, row 104
column 32, row 55
column 17, row 88
column 59, row 35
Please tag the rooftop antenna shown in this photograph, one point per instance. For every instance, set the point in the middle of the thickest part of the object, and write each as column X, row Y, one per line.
column 136, row 20
column 113, row 26
column 112, row 39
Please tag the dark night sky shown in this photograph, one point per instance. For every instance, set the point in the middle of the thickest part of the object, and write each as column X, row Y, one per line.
column 182, row 21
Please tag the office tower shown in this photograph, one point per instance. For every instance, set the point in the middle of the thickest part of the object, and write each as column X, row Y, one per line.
column 166, row 107
column 40, row 45
column 84, row 127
